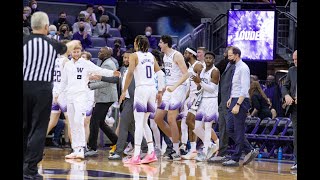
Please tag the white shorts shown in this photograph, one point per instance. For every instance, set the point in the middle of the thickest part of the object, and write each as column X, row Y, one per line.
column 208, row 110
column 173, row 100
column 60, row 105
column 145, row 99
column 89, row 109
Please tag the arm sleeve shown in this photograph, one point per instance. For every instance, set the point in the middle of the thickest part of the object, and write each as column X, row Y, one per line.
column 245, row 80
column 211, row 87
column 110, row 79
column 98, row 70
column 286, row 86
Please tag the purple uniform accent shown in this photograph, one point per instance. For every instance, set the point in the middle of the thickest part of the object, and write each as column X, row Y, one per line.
column 139, row 107
column 176, row 106
column 179, row 117
column 55, row 107
column 189, row 104
column 150, row 108
column 63, row 109
column 199, row 117
column 214, row 118
column 162, row 106
column 89, row 112
column 152, row 115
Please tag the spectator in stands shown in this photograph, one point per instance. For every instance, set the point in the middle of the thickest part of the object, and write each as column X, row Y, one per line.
column 117, row 51
column 152, row 40
column 83, row 36
column 259, row 101
column 34, row 6
column 64, row 32
column 62, row 20
column 90, row 16
column 53, row 32
column 200, row 54
column 273, row 92
column 102, row 28
column 101, row 11
column 27, row 17
column 81, row 19
column 289, row 93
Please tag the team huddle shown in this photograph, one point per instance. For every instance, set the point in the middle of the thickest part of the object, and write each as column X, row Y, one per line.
column 186, row 91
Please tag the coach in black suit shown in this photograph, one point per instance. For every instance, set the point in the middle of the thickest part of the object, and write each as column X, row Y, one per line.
column 289, row 92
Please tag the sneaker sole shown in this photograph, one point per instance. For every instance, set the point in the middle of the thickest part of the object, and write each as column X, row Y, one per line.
column 250, row 158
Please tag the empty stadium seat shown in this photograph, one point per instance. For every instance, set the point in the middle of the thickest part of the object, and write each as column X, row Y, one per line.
column 110, row 42
column 98, row 42
column 114, row 32
column 262, row 125
column 94, row 52
column 269, row 129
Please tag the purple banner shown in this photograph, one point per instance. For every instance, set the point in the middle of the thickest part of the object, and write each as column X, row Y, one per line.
column 253, row 33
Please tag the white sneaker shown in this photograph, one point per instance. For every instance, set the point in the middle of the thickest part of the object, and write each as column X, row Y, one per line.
column 211, row 150
column 294, row 167
column 190, row 155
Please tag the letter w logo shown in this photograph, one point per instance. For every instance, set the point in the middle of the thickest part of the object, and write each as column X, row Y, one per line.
column 79, row 70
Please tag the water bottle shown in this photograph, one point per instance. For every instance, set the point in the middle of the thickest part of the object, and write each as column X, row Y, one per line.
column 280, row 153
column 260, row 156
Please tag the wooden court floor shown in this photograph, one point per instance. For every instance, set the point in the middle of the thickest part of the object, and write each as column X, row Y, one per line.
column 55, row 167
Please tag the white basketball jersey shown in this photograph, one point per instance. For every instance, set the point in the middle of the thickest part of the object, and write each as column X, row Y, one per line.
column 206, row 78
column 144, row 71
column 57, row 71
column 193, row 86
column 172, row 70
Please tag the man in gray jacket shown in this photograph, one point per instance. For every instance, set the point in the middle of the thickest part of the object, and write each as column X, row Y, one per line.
column 105, row 95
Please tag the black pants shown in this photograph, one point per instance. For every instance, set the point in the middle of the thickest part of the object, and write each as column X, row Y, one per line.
column 37, row 100
column 98, row 120
column 127, row 124
column 236, row 128
column 294, row 126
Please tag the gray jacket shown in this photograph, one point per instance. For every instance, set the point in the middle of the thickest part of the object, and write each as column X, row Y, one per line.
column 104, row 91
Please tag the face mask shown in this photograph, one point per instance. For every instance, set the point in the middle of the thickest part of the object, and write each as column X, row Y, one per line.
column 63, row 31
column 100, row 11
column 231, row 61
column 81, row 19
column 81, row 29
column 62, row 19
column 34, row 6
column 52, row 33
column 148, row 33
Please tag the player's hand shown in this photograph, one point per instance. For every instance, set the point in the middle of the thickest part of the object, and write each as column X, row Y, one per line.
column 228, row 103
column 122, row 97
column 171, row 88
column 159, row 98
column 55, row 100
column 116, row 73
column 235, row 109
column 196, row 79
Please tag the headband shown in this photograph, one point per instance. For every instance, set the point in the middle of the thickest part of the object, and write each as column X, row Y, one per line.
column 191, row 51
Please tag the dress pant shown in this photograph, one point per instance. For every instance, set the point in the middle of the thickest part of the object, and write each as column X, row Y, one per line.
column 98, row 120
column 37, row 101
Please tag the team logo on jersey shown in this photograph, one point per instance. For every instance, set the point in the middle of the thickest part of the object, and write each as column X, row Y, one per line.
column 79, row 76
column 79, row 70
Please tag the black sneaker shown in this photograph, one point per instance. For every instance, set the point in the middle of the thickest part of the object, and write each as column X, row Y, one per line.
column 56, row 144
column 174, row 156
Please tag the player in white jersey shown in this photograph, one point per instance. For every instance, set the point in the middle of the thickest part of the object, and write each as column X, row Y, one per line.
column 87, row 56
column 208, row 110
column 61, row 104
column 143, row 65
column 75, row 80
column 176, row 74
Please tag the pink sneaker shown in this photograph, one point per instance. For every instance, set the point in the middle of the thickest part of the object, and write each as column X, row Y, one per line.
column 149, row 158
column 132, row 160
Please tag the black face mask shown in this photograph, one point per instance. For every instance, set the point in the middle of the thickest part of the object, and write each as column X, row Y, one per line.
column 117, row 46
column 81, row 29
column 231, row 61
column 270, row 83
column 81, row 19
column 63, row 31
column 61, row 20
column 100, row 11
